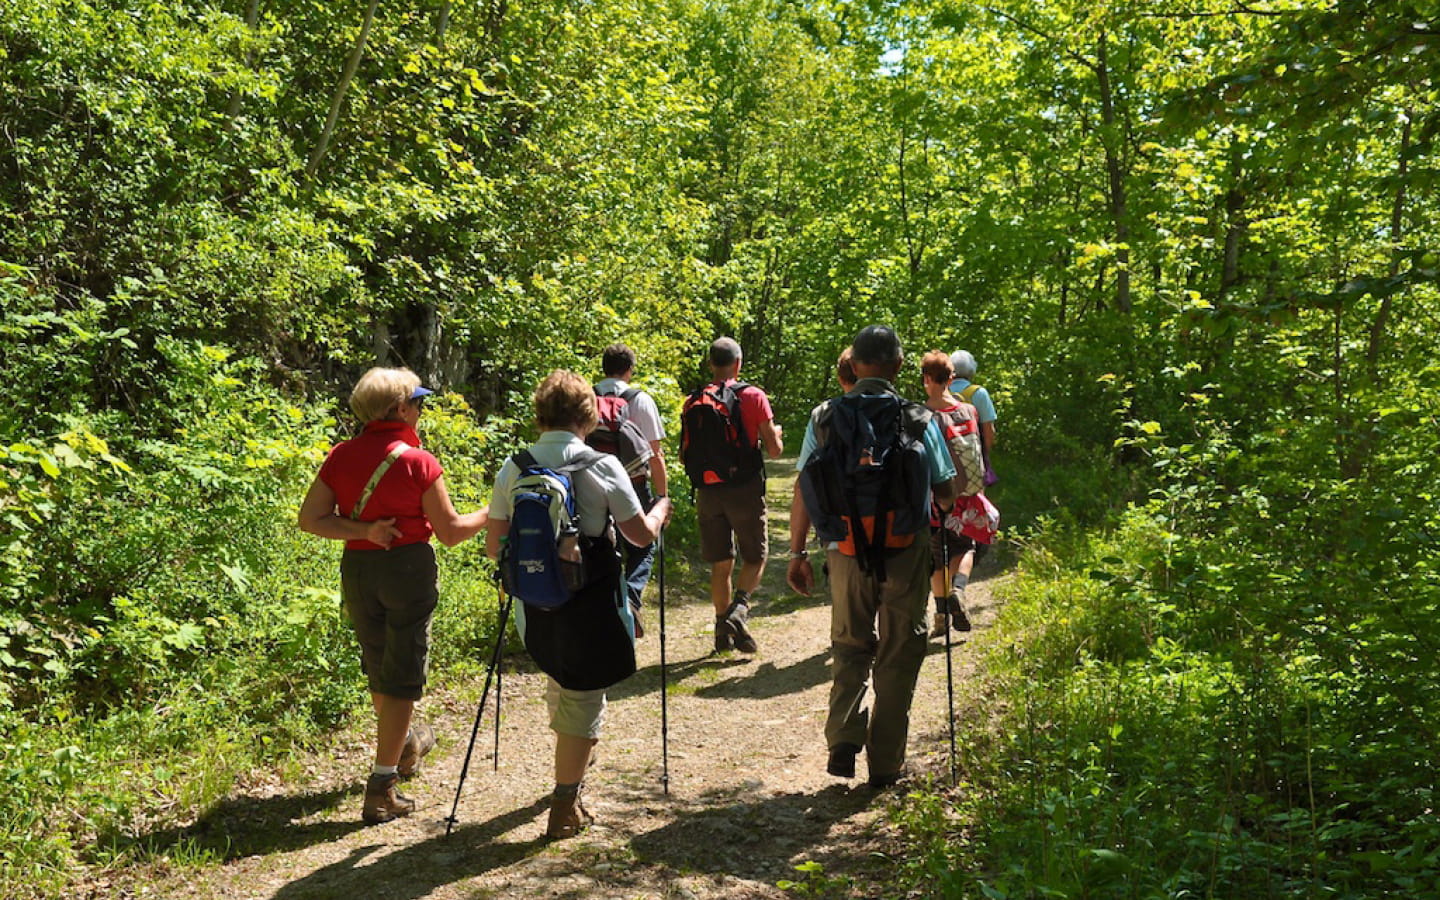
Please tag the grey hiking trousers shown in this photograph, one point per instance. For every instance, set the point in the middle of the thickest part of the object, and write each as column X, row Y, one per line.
column 877, row 629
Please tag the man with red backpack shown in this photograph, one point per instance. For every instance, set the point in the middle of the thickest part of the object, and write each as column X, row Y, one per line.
column 724, row 426
column 630, row 428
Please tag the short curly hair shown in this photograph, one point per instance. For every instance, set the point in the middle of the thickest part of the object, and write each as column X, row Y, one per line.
column 380, row 391
column 936, row 366
column 564, row 400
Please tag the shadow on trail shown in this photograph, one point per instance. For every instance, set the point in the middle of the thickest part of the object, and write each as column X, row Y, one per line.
column 769, row 680
column 759, row 839
column 647, row 680
column 416, row 870
column 248, row 826
column 751, row 683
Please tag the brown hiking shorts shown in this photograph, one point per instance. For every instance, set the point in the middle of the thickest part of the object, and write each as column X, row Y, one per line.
column 732, row 509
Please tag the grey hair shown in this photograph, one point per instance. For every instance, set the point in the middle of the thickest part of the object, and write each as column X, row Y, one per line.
column 963, row 362
column 724, row 352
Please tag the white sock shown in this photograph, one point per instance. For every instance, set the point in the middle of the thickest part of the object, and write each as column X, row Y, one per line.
column 378, row 769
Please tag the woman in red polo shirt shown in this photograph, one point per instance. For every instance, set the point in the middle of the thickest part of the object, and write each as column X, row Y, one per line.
column 384, row 496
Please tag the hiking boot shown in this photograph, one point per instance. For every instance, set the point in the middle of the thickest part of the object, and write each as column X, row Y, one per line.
column 738, row 615
column 383, row 802
column 940, row 625
column 568, row 817
column 420, row 741
column 842, row 760
column 724, row 634
column 888, row 779
column 958, row 620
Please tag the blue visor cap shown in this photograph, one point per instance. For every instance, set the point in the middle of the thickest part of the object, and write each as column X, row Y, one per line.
column 420, row 392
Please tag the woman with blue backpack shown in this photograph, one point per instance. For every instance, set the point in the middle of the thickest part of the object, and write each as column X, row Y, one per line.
column 554, row 515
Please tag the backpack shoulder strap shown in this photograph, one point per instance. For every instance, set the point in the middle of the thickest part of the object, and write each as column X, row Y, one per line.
column 581, row 461
column 629, row 394
column 916, row 416
column 379, row 473
column 524, row 460
column 969, row 392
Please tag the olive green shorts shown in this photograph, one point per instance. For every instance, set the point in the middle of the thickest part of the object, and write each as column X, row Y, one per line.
column 389, row 596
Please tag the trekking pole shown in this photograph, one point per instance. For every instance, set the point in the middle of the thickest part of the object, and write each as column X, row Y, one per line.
column 664, row 703
column 949, row 665
column 498, row 675
column 451, row 820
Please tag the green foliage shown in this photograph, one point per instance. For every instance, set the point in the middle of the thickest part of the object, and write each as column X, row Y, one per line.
column 814, row 882
column 1193, row 251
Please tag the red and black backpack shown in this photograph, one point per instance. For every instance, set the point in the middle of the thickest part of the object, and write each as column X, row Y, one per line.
column 714, row 445
column 617, row 433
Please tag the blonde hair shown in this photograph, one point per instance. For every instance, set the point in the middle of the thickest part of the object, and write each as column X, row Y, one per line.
column 379, row 392
column 565, row 400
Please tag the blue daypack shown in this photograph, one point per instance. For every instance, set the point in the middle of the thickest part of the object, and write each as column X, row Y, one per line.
column 543, row 563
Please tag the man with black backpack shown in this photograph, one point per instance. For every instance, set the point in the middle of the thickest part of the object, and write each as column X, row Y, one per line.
column 630, row 428
column 723, row 427
column 869, row 465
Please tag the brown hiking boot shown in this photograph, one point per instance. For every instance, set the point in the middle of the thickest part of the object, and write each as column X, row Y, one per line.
column 420, row 741
column 568, row 817
column 383, row 802
column 939, row 625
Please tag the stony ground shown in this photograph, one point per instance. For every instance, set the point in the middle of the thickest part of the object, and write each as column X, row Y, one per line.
column 748, row 797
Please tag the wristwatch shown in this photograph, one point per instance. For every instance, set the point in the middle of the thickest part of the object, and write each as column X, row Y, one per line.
column 799, row 554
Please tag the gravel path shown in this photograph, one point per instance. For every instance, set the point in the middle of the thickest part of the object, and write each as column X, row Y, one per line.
column 749, row 798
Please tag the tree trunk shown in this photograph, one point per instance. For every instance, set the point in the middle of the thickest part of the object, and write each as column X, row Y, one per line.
column 1236, row 225
column 442, row 23
column 338, row 100
column 1115, row 172
column 252, row 19
column 495, row 18
column 1397, row 231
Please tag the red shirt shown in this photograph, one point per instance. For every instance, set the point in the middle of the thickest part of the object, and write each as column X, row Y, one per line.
column 351, row 463
column 754, row 409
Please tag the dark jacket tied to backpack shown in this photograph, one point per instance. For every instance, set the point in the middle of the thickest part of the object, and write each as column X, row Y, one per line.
column 584, row 644
column 573, row 615
column 867, row 485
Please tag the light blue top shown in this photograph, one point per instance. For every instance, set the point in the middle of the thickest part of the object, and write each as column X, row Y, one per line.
column 984, row 406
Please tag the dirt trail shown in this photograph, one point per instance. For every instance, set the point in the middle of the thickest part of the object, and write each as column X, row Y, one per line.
column 749, row 797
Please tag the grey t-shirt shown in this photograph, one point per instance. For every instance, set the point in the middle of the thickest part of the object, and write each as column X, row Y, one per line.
column 602, row 487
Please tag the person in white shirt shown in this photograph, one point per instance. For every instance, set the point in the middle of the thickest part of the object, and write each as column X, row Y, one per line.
column 618, row 364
